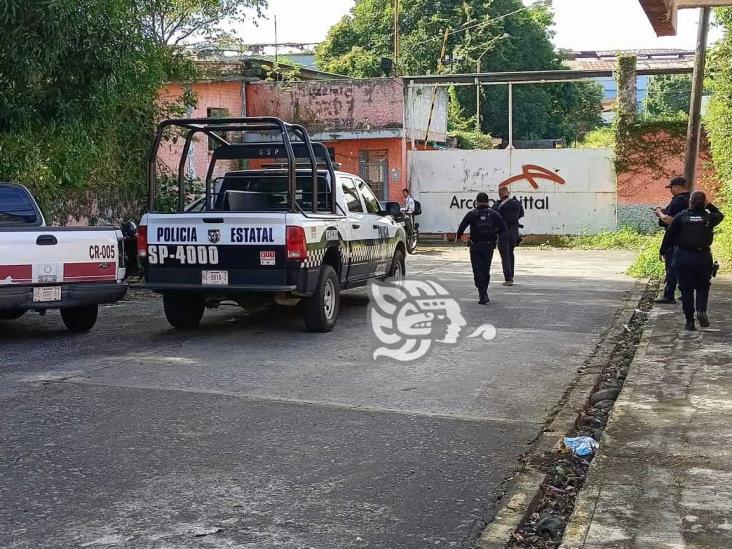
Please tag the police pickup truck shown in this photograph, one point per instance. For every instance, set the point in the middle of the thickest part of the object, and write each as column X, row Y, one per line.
column 73, row 269
column 267, row 228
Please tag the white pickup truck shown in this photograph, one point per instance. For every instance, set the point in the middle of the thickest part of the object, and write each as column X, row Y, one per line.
column 73, row 269
column 279, row 232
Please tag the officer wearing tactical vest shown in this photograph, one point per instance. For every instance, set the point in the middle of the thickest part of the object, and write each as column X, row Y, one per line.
column 486, row 225
column 691, row 233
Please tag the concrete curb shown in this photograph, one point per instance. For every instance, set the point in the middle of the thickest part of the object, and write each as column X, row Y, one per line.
column 579, row 523
column 526, row 489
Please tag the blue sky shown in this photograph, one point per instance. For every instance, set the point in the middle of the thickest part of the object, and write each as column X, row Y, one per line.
column 580, row 24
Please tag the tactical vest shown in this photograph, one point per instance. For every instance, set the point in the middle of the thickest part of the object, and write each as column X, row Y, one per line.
column 483, row 229
column 696, row 232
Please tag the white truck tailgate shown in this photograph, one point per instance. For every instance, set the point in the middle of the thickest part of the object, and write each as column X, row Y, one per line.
column 59, row 255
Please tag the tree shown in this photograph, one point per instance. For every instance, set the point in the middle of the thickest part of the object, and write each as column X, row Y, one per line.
column 173, row 22
column 79, row 84
column 669, row 95
column 477, row 30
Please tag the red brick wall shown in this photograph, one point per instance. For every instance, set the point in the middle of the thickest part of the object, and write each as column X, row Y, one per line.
column 657, row 158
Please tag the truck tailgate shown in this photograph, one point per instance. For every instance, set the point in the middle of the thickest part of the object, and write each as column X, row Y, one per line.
column 59, row 255
column 216, row 249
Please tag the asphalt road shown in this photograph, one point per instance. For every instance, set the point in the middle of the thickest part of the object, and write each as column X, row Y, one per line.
column 251, row 432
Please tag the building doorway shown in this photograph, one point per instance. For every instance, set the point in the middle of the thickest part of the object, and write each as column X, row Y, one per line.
column 373, row 167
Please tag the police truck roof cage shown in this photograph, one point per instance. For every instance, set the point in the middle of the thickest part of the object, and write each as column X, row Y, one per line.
column 218, row 128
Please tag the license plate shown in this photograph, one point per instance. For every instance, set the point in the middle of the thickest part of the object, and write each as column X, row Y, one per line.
column 51, row 293
column 215, row 278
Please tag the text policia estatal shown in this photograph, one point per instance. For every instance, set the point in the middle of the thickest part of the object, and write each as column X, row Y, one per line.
column 528, row 202
column 183, row 235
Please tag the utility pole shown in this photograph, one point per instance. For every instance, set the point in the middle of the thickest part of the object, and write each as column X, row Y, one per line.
column 693, row 135
column 397, row 7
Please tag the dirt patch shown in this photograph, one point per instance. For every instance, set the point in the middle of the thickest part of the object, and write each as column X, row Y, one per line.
column 565, row 474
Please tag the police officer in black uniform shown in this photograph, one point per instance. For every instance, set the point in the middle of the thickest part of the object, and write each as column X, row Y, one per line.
column 486, row 226
column 678, row 204
column 691, row 233
column 511, row 211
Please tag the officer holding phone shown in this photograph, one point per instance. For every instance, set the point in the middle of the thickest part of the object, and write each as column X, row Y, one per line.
column 679, row 203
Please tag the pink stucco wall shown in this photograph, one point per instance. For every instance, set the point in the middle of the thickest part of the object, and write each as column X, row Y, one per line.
column 343, row 105
column 220, row 95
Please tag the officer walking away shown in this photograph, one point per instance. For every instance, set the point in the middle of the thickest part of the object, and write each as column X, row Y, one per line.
column 679, row 203
column 511, row 211
column 486, row 226
column 691, row 234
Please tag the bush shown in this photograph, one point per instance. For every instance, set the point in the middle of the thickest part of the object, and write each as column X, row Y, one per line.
column 601, row 138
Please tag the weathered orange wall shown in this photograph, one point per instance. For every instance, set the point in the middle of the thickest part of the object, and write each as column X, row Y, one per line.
column 347, row 155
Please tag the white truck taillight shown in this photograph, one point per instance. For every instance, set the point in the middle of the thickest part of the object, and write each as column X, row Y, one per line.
column 297, row 247
column 142, row 241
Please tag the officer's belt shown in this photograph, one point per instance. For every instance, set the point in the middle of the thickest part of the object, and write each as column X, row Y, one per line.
column 704, row 249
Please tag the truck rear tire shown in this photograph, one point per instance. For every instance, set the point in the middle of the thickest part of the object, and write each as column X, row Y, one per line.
column 183, row 311
column 11, row 315
column 320, row 311
column 80, row 319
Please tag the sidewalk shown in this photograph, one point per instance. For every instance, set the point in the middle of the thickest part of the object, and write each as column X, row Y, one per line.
column 663, row 474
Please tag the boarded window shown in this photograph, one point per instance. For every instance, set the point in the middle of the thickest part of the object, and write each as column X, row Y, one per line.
column 216, row 112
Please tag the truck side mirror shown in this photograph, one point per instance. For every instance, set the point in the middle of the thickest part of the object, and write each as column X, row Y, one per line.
column 393, row 209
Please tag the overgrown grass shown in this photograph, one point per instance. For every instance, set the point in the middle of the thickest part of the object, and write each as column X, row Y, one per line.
column 623, row 239
column 647, row 263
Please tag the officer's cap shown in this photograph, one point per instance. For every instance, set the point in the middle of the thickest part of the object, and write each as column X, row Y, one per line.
column 677, row 181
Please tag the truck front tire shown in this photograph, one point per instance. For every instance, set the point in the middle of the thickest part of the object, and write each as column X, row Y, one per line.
column 398, row 268
column 320, row 311
column 183, row 311
column 80, row 319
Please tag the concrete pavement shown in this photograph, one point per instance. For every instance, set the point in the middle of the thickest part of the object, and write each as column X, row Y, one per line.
column 663, row 474
column 251, row 432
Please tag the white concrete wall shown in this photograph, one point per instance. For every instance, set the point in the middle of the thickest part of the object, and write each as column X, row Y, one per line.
column 445, row 182
column 418, row 102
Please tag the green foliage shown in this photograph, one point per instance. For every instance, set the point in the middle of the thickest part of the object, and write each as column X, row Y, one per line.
column 472, row 140
column 356, row 44
column 175, row 21
column 648, row 264
column 78, row 91
column 599, row 139
column 718, row 123
column 669, row 96
column 623, row 239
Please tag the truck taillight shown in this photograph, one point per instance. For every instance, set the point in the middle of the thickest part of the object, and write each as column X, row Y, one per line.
column 297, row 247
column 142, row 241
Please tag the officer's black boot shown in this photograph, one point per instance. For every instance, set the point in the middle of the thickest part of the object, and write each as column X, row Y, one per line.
column 690, row 324
column 703, row 319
